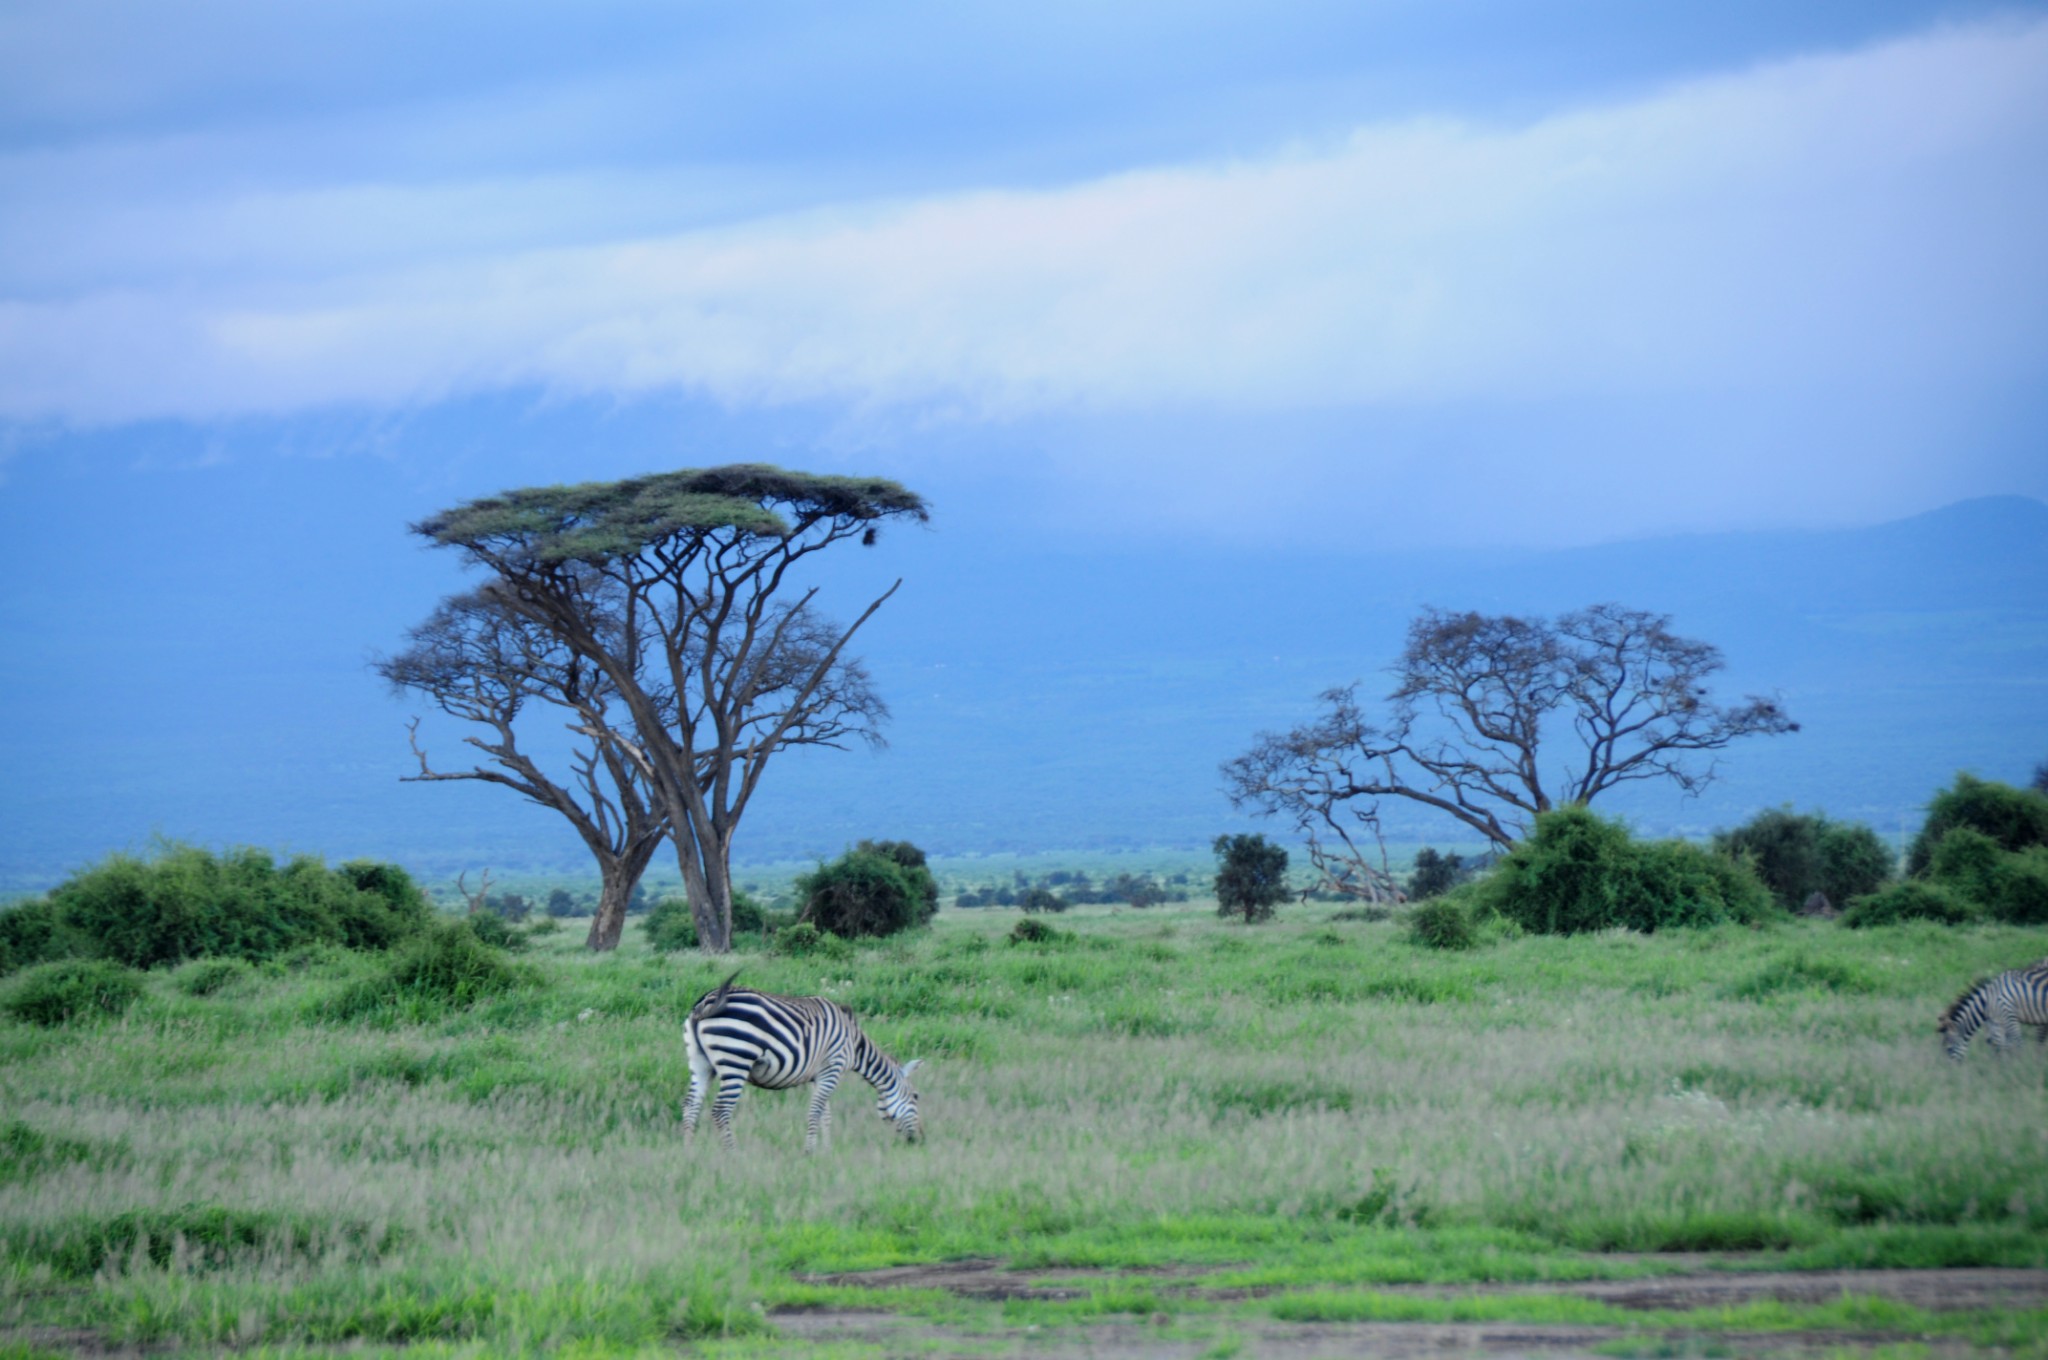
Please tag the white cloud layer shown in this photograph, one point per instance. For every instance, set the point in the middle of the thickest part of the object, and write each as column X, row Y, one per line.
column 1863, row 221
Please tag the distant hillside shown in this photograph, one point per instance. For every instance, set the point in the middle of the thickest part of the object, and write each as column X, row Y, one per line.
column 1056, row 698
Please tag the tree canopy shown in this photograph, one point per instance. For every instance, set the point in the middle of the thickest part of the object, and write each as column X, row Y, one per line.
column 677, row 587
column 1481, row 706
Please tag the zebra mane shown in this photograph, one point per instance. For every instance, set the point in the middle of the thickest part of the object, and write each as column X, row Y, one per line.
column 1955, row 1007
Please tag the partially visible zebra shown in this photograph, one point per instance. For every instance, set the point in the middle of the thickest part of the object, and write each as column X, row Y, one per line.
column 1999, row 1005
column 737, row 1035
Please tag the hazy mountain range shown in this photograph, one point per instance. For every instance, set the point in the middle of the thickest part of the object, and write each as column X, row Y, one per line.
column 1052, row 697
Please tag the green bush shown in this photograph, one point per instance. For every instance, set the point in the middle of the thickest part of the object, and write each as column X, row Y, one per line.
column 1435, row 874
column 2015, row 818
column 2019, row 888
column 1578, row 872
column 1799, row 854
column 916, row 872
column 189, row 903
column 865, row 893
column 544, row 925
column 495, row 931
column 30, row 933
column 1441, row 923
column 804, row 940
column 210, row 976
column 53, row 994
column 444, row 966
column 1031, row 930
column 669, row 927
column 1911, row 899
column 1965, row 861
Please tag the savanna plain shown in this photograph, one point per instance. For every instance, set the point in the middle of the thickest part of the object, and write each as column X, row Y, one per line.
column 1151, row 1133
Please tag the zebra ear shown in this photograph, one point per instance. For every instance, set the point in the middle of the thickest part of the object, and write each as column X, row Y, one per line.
column 911, row 1066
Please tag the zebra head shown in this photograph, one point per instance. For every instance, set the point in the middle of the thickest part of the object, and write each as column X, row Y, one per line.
column 898, row 1103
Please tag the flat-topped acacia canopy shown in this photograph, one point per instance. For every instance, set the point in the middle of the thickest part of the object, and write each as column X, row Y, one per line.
column 598, row 521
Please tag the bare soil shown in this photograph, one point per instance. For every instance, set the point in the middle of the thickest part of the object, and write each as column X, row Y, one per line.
column 1168, row 1338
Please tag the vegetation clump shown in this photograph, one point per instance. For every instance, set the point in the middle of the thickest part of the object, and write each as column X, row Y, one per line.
column 1031, row 930
column 1442, row 923
column 803, row 940
column 1579, row 871
column 1251, row 877
column 189, row 903
column 445, row 967
column 1911, row 899
column 876, row 888
column 54, row 994
column 2014, row 818
column 209, row 977
column 1799, row 854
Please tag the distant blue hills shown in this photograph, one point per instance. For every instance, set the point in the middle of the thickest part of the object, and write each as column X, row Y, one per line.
column 1045, row 697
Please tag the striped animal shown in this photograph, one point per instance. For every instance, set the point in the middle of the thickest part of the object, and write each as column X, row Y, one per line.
column 737, row 1035
column 1999, row 1005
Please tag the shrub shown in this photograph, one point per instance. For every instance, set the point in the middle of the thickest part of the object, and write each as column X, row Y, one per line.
column 670, row 927
column 403, row 913
column 545, row 925
column 1435, row 874
column 2015, row 818
column 803, row 940
column 1030, row 930
column 495, row 931
column 1037, row 899
column 446, row 965
column 53, row 994
column 210, row 976
column 916, row 872
column 747, row 916
column 1910, row 899
column 29, row 933
column 1799, row 854
column 1965, row 861
column 2019, row 888
column 1578, row 871
column 1251, row 877
column 865, row 892
column 1442, row 924
column 188, row 903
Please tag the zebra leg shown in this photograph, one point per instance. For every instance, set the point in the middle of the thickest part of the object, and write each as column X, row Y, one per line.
column 730, row 1087
column 702, row 1078
column 820, row 1118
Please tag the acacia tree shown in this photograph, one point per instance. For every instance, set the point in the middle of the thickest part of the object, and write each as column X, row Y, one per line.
column 478, row 658
column 677, row 587
column 1476, row 698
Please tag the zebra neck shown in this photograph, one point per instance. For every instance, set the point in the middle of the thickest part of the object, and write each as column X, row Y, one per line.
column 1971, row 1011
column 877, row 1067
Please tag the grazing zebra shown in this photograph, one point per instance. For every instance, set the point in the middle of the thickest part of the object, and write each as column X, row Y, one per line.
column 2003, row 1004
column 737, row 1035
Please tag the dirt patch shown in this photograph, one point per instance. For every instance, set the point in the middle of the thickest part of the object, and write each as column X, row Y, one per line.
column 989, row 1278
column 1165, row 1337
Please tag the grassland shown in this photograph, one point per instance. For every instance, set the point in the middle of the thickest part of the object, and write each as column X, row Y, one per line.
column 1212, row 1128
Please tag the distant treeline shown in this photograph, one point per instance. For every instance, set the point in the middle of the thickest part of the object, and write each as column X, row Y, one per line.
column 1063, row 888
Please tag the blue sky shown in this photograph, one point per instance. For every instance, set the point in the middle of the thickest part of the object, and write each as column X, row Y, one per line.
column 1538, row 273
column 277, row 279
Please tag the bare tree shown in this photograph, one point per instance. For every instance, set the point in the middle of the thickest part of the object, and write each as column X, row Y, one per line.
column 481, row 660
column 1476, row 698
column 677, row 587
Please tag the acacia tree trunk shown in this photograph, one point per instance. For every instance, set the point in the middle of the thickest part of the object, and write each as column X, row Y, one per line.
column 610, row 922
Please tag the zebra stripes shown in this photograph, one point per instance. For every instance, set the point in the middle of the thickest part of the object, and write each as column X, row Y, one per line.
column 1999, row 1005
column 737, row 1035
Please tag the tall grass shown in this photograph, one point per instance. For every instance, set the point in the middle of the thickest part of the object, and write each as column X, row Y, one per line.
column 1315, row 1100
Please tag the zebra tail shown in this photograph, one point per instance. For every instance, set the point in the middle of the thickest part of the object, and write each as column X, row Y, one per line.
column 712, row 1003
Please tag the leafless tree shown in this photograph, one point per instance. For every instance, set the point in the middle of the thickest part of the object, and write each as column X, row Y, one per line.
column 1476, row 697
column 678, row 587
column 478, row 658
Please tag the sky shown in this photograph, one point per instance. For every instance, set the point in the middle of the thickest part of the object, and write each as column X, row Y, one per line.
column 1349, row 277
column 1543, row 274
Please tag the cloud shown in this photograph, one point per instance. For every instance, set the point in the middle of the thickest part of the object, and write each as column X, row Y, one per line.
column 1844, row 223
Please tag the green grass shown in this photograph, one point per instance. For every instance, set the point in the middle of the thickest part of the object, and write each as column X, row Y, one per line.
column 1315, row 1106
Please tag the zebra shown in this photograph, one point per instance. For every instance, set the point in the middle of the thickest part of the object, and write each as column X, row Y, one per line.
column 737, row 1035
column 2002, row 1004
